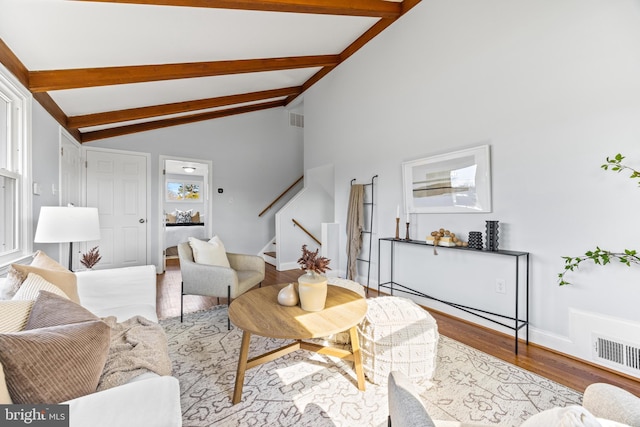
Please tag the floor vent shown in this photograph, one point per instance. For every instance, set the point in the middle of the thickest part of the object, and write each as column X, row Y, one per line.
column 296, row 120
column 617, row 352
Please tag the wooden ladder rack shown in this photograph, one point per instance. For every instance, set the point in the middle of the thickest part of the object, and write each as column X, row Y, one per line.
column 368, row 232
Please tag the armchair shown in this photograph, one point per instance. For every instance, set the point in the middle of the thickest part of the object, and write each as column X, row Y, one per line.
column 610, row 405
column 211, row 280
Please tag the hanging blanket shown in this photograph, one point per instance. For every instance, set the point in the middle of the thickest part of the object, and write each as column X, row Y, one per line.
column 138, row 345
column 355, row 224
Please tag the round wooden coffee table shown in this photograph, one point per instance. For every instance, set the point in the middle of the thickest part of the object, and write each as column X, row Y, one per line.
column 258, row 312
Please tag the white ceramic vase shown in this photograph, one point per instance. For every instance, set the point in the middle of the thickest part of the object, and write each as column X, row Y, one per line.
column 312, row 288
column 288, row 296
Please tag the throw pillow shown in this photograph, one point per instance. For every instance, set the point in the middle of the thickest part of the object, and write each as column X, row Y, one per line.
column 570, row 416
column 63, row 279
column 6, row 289
column 5, row 398
column 53, row 310
column 42, row 260
column 171, row 219
column 210, row 253
column 183, row 217
column 13, row 318
column 14, row 315
column 55, row 364
column 195, row 217
column 34, row 284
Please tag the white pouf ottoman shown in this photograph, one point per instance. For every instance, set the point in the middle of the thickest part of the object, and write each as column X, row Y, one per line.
column 397, row 335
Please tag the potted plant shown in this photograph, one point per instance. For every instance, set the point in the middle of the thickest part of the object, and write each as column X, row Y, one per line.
column 91, row 258
column 312, row 286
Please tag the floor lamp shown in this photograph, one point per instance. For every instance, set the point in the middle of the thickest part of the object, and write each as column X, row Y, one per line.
column 60, row 224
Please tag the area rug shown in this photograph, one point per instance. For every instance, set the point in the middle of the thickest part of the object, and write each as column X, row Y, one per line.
column 308, row 389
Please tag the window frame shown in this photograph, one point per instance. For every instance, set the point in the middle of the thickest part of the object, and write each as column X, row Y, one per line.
column 18, row 164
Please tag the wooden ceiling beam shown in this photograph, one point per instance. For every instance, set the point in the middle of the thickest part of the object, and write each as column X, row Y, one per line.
column 370, row 8
column 98, row 119
column 175, row 121
column 48, row 80
column 56, row 112
column 13, row 64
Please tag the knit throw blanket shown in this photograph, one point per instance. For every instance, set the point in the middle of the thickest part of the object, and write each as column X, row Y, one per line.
column 355, row 224
column 137, row 346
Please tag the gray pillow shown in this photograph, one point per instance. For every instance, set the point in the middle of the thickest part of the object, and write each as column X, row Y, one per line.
column 405, row 406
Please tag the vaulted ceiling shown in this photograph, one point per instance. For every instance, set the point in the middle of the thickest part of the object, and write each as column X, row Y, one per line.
column 104, row 68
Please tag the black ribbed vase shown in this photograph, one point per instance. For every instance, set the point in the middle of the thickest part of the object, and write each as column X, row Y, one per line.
column 492, row 235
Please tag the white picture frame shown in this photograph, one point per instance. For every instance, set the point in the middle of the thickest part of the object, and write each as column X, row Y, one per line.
column 454, row 182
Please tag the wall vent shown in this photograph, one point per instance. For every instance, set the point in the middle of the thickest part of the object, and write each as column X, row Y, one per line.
column 296, row 120
column 615, row 352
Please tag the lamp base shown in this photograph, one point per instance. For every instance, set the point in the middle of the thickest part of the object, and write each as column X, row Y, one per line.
column 70, row 256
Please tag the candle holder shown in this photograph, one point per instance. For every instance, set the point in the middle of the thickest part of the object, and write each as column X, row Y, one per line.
column 397, row 228
column 407, row 235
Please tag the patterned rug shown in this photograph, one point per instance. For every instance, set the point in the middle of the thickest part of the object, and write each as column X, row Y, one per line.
column 308, row 389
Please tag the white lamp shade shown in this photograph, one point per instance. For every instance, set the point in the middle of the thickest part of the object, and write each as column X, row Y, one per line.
column 67, row 224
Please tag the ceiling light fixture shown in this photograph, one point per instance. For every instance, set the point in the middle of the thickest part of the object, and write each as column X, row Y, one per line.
column 189, row 169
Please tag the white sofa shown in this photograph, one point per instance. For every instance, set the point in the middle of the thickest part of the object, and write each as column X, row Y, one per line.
column 147, row 400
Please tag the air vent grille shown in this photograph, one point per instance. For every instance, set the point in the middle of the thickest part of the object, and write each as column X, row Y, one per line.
column 296, row 120
column 633, row 358
column 610, row 350
column 617, row 351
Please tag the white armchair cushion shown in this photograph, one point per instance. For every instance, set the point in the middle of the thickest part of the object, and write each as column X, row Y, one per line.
column 570, row 416
column 212, row 252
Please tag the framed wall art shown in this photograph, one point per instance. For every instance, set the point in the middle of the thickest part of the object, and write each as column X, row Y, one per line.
column 455, row 182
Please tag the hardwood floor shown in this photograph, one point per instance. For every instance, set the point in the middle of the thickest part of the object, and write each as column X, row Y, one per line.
column 557, row 367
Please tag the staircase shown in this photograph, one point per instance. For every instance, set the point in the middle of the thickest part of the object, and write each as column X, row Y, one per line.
column 269, row 253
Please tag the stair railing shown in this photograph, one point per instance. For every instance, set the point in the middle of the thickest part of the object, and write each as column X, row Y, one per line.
column 306, row 231
column 277, row 199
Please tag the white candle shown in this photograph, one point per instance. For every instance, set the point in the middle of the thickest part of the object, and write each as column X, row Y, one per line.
column 407, row 217
column 398, row 212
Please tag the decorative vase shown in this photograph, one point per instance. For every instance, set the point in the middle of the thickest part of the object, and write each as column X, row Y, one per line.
column 288, row 296
column 492, row 235
column 312, row 288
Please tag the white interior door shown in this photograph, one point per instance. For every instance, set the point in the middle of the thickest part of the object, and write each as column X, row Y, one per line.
column 70, row 185
column 117, row 186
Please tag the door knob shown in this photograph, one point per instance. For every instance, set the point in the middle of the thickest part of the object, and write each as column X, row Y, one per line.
column 141, row 221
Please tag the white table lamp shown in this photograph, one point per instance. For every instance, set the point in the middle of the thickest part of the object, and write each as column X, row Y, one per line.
column 59, row 224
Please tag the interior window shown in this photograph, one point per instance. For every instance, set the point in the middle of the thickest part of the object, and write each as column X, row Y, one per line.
column 15, row 202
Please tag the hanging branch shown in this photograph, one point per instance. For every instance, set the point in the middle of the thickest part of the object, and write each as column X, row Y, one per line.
column 616, row 165
column 602, row 256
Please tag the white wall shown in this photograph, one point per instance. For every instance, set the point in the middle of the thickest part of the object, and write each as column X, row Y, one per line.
column 45, row 142
column 255, row 157
column 553, row 87
column 310, row 207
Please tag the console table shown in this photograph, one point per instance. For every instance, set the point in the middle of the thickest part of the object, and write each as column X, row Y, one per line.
column 514, row 323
